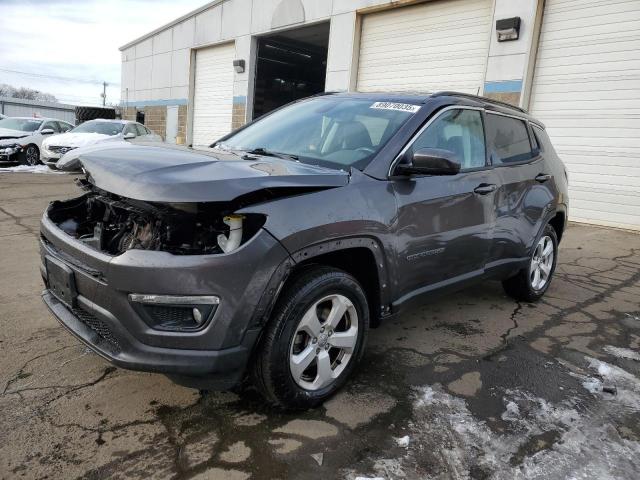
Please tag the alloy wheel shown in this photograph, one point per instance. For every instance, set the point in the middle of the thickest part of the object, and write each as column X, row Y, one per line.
column 32, row 155
column 324, row 342
column 541, row 263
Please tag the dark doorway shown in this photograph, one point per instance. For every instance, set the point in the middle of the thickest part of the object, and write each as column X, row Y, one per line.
column 290, row 65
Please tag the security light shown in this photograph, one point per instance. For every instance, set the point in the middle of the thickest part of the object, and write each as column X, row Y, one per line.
column 238, row 65
column 508, row 29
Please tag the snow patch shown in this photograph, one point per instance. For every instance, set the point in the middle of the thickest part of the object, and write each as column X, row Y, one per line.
column 622, row 352
column 403, row 441
column 592, row 385
column 512, row 411
column 587, row 445
column 30, row 169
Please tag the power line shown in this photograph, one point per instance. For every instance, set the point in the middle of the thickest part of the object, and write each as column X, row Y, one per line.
column 68, row 79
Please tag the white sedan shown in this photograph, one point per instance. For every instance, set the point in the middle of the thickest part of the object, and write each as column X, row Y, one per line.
column 94, row 133
column 21, row 138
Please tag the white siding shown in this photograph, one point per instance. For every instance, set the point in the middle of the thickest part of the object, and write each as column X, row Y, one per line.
column 586, row 89
column 213, row 93
column 434, row 46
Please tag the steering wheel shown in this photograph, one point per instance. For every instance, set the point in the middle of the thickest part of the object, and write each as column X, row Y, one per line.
column 365, row 149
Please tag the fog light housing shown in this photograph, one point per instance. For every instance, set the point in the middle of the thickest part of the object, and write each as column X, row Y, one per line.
column 177, row 313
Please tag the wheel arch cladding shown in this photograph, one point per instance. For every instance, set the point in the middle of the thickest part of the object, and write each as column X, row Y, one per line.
column 558, row 222
column 360, row 257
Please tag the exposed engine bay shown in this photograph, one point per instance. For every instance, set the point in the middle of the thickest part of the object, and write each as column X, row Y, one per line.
column 114, row 224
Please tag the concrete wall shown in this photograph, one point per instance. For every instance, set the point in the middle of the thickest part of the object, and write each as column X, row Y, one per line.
column 156, row 68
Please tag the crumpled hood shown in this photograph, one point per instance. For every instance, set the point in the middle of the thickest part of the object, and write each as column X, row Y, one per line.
column 71, row 139
column 7, row 133
column 179, row 174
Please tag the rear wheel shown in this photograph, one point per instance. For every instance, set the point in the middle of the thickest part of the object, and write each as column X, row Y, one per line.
column 30, row 156
column 314, row 339
column 530, row 283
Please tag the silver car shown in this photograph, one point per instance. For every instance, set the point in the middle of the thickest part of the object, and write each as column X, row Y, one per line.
column 21, row 138
column 95, row 133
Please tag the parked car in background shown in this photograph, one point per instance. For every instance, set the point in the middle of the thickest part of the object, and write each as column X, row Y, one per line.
column 21, row 138
column 94, row 132
column 272, row 252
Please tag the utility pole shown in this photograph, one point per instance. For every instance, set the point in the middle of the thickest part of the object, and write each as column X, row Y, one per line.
column 104, row 93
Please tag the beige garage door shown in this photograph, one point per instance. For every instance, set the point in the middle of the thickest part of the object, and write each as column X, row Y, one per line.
column 213, row 93
column 433, row 46
column 586, row 89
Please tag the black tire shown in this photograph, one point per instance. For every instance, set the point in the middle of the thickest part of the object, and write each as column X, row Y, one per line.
column 520, row 285
column 272, row 374
column 30, row 155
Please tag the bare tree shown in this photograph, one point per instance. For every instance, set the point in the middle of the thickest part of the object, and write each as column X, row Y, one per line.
column 26, row 93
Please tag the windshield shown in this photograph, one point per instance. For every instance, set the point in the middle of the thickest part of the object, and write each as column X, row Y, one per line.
column 22, row 124
column 105, row 128
column 327, row 131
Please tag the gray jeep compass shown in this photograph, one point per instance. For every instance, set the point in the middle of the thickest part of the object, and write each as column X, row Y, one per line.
column 270, row 254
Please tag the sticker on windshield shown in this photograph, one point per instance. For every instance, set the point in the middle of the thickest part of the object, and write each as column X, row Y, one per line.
column 401, row 107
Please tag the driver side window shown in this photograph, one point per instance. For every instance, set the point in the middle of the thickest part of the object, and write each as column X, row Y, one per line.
column 459, row 131
column 130, row 128
column 51, row 125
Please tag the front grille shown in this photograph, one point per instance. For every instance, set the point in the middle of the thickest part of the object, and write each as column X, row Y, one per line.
column 100, row 327
column 60, row 149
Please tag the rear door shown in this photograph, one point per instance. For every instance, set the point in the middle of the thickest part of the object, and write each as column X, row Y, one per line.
column 445, row 224
column 526, row 188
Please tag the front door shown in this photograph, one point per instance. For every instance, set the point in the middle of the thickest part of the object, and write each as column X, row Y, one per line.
column 444, row 227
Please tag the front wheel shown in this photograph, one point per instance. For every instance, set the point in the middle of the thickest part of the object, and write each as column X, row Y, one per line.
column 530, row 283
column 30, row 156
column 314, row 340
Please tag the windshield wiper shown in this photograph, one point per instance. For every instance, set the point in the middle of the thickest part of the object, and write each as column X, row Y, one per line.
column 268, row 153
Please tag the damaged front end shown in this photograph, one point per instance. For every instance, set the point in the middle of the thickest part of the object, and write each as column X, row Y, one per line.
column 113, row 224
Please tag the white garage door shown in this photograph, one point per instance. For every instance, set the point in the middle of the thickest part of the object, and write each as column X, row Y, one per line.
column 213, row 93
column 586, row 89
column 434, row 46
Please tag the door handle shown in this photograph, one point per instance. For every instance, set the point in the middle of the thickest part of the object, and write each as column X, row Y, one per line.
column 485, row 188
column 543, row 177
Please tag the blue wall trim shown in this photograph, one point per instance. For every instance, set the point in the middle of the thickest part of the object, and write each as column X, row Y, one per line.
column 503, row 86
column 239, row 100
column 156, row 103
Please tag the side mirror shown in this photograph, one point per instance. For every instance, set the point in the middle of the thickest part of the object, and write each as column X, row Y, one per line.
column 129, row 136
column 46, row 131
column 430, row 161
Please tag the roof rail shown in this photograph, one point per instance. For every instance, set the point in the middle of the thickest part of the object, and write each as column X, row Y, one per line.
column 478, row 97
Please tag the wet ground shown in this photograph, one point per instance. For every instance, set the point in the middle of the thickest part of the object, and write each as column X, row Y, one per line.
column 471, row 386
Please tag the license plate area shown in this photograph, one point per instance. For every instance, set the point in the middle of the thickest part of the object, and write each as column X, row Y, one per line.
column 61, row 281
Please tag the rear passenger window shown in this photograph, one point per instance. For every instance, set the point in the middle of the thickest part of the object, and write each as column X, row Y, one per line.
column 508, row 139
column 141, row 130
column 64, row 127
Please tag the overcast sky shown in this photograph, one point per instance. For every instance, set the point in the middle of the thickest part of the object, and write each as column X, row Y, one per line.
column 78, row 39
